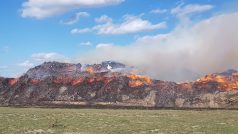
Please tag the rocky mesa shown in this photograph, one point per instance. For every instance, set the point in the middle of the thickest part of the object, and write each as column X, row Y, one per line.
column 114, row 84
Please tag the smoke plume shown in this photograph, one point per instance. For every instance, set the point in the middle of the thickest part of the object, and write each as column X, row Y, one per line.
column 185, row 53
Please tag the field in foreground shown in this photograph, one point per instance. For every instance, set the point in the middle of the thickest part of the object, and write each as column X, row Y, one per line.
column 95, row 121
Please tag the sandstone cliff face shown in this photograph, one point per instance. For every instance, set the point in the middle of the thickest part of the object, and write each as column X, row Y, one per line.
column 110, row 83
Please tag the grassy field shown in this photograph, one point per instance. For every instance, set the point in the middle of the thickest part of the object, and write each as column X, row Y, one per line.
column 95, row 121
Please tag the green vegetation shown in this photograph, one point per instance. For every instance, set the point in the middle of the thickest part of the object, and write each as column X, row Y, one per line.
column 95, row 121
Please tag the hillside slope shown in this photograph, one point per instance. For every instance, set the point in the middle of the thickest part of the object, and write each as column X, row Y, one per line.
column 114, row 84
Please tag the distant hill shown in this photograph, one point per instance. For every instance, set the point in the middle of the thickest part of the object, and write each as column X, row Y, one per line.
column 113, row 84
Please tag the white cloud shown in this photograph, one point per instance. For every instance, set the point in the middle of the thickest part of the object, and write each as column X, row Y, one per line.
column 103, row 19
column 104, row 45
column 76, row 30
column 74, row 19
column 182, row 11
column 86, row 44
column 159, row 11
column 26, row 64
column 130, row 24
column 42, row 57
column 40, row 9
column 187, row 52
column 153, row 40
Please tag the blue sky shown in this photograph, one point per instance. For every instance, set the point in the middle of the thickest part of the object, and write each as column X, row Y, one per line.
column 34, row 31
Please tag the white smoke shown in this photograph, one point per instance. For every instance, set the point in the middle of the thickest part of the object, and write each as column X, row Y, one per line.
column 183, row 54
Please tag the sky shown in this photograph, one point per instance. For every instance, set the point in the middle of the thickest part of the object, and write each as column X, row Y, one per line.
column 167, row 39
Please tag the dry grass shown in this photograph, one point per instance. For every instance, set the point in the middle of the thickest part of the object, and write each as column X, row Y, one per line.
column 94, row 121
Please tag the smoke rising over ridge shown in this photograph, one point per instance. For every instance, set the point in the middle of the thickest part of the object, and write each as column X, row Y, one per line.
column 183, row 54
